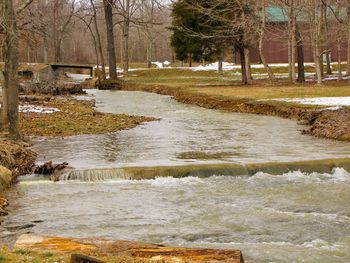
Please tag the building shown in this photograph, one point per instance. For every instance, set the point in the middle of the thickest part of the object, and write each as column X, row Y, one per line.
column 276, row 44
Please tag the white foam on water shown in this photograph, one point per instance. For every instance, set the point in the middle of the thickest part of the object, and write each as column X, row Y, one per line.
column 173, row 182
column 338, row 175
column 330, row 217
column 317, row 244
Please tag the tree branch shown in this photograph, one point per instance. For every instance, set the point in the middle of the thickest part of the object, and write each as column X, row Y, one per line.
column 23, row 6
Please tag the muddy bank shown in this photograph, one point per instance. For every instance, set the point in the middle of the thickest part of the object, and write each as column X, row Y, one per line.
column 133, row 250
column 15, row 159
column 331, row 124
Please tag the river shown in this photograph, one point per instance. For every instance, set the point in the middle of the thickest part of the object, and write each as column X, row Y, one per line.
column 286, row 218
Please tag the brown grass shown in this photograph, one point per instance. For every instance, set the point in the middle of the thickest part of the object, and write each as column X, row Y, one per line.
column 75, row 118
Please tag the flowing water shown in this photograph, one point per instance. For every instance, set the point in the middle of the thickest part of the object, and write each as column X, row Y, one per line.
column 186, row 134
column 291, row 217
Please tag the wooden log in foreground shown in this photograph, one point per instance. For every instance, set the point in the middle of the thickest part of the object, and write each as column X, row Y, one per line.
column 126, row 248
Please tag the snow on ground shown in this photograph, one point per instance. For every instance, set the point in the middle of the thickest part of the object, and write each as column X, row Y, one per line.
column 326, row 101
column 231, row 66
column 158, row 64
column 37, row 109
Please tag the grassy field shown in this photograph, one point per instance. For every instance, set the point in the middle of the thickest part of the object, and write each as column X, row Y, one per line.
column 228, row 85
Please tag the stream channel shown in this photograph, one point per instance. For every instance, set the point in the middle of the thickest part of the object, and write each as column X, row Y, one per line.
column 290, row 217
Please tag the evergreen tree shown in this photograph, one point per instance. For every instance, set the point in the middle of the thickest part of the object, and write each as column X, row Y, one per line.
column 213, row 25
column 190, row 37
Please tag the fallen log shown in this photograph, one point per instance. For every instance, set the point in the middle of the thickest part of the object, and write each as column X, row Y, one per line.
column 125, row 248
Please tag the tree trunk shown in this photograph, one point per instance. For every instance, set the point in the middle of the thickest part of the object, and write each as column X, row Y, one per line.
column 98, row 40
column 328, row 64
column 316, row 35
column 348, row 58
column 247, row 64
column 149, row 48
column 45, row 49
column 112, row 60
column 149, row 54
column 261, row 43
column 126, row 28
column 9, row 111
column 220, row 62
column 291, row 41
column 243, row 66
column 300, row 54
column 190, row 60
column 340, row 75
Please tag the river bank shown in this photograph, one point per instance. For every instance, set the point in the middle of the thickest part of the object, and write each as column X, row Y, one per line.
column 45, row 114
column 324, row 123
column 52, row 249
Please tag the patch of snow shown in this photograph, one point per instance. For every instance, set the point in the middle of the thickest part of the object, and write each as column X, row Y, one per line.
column 158, row 64
column 326, row 101
column 333, row 108
column 37, row 109
column 231, row 66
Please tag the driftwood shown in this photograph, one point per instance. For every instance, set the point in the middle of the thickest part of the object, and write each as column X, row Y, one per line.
column 49, row 168
column 135, row 250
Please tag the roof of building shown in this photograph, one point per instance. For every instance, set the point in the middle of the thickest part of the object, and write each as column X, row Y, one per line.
column 280, row 14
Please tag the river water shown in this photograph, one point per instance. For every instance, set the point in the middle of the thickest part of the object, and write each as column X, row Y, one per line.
column 186, row 134
column 292, row 217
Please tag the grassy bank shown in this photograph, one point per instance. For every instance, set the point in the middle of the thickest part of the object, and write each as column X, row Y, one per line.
column 75, row 117
column 228, row 85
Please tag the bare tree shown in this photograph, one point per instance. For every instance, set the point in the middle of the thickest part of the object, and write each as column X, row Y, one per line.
column 112, row 61
column 61, row 24
column 348, row 25
column 291, row 39
column 262, row 38
column 9, row 109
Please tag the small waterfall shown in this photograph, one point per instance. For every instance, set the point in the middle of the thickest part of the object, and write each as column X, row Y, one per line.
column 96, row 175
column 204, row 170
column 142, row 173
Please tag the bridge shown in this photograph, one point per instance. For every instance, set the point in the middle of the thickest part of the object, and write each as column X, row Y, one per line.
column 56, row 66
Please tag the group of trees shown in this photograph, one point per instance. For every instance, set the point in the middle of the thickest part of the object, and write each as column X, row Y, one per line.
column 64, row 30
column 46, row 27
column 203, row 30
